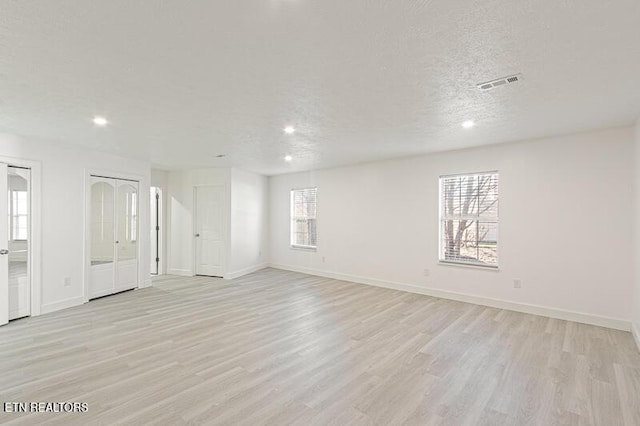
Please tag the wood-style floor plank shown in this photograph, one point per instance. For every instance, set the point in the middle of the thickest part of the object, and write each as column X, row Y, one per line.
column 277, row 347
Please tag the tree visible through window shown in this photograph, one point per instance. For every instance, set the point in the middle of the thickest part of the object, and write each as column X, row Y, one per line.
column 303, row 218
column 469, row 219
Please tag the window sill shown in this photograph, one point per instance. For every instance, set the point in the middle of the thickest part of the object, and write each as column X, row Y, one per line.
column 469, row 265
column 303, row 248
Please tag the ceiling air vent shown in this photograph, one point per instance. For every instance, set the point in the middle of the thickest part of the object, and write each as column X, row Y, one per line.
column 500, row 82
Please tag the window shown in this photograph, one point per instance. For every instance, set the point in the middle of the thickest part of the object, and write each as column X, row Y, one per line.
column 18, row 215
column 469, row 219
column 303, row 218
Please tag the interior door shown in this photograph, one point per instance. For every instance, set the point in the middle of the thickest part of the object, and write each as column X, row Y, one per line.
column 102, row 275
column 155, row 231
column 18, row 183
column 127, row 236
column 210, row 231
column 4, row 249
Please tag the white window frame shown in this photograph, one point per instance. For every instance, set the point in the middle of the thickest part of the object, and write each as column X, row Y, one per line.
column 442, row 218
column 293, row 219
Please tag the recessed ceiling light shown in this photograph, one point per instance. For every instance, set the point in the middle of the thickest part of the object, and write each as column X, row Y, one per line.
column 468, row 124
column 288, row 158
column 289, row 130
column 100, row 121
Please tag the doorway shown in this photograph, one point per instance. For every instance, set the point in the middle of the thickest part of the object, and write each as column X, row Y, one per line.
column 210, row 230
column 114, row 236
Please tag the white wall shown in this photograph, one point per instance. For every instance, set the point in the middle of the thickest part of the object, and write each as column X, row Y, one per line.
column 565, row 210
column 63, row 211
column 636, row 259
column 160, row 179
column 180, row 211
column 249, row 222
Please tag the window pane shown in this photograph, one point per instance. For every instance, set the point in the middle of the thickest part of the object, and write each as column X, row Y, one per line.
column 303, row 214
column 469, row 224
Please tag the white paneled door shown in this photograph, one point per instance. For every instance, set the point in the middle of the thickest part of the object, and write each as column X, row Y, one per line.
column 114, row 236
column 210, row 231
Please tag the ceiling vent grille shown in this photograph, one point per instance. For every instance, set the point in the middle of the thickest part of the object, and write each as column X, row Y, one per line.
column 500, row 82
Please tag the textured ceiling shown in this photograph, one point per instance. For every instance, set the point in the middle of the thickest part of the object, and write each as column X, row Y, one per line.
column 183, row 81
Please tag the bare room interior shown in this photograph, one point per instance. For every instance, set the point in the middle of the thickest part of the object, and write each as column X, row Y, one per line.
column 296, row 212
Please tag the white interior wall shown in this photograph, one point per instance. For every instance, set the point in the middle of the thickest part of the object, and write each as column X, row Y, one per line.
column 160, row 179
column 180, row 209
column 249, row 222
column 565, row 211
column 63, row 212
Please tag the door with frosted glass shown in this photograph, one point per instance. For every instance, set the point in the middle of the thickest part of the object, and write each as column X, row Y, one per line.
column 127, row 236
column 103, row 241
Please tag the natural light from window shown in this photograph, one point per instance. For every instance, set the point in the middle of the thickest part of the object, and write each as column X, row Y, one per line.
column 469, row 219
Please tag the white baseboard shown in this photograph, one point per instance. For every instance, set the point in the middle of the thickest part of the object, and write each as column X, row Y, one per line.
column 245, row 271
column 146, row 283
column 180, row 272
column 636, row 334
column 614, row 323
column 63, row 304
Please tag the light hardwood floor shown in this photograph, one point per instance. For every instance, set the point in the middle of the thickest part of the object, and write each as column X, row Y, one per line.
column 279, row 348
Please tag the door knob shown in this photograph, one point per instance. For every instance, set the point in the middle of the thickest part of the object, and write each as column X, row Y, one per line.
column 197, row 235
column 117, row 242
column 4, row 251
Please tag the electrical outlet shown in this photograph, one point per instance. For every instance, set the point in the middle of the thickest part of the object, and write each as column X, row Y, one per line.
column 517, row 283
column 426, row 272
column 67, row 281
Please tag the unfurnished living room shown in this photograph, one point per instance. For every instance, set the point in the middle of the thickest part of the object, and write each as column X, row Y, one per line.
column 302, row 212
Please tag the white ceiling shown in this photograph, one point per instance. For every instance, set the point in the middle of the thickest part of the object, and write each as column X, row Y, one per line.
column 183, row 81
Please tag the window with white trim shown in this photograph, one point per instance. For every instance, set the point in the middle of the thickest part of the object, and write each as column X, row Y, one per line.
column 303, row 218
column 469, row 219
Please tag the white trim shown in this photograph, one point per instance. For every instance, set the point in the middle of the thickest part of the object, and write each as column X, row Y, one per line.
column 245, row 271
column 614, row 323
column 449, row 263
column 62, row 304
column 303, row 248
column 145, row 284
column 35, row 243
column 180, row 272
column 635, row 332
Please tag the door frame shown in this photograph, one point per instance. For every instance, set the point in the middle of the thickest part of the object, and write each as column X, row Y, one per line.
column 160, row 208
column 144, row 280
column 225, row 220
column 35, row 223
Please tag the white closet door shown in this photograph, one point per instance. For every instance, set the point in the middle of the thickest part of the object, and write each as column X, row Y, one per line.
column 4, row 249
column 127, row 236
column 103, row 226
column 210, row 230
column 19, row 190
